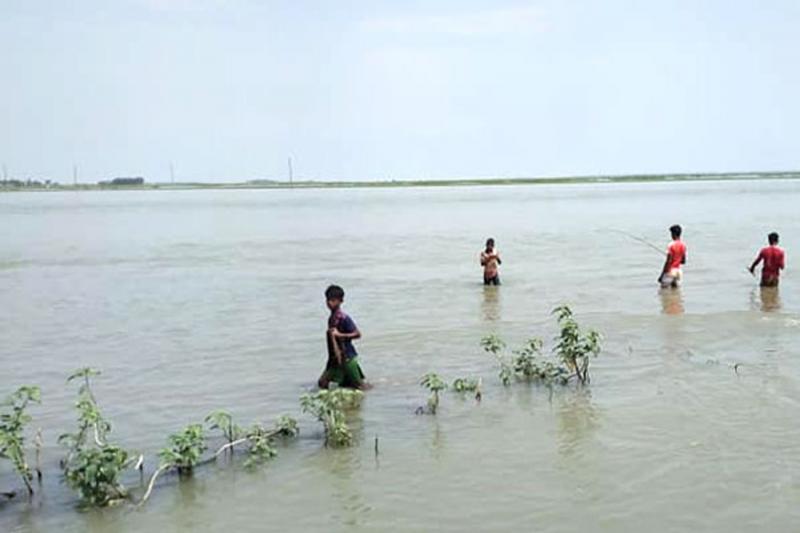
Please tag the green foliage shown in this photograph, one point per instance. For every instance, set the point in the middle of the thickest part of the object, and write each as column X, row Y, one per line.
column 261, row 449
column 573, row 349
column 95, row 473
column 261, row 440
column 493, row 344
column 434, row 383
column 466, row 384
column 223, row 421
column 329, row 407
column 93, row 467
column 286, row 426
column 185, row 448
column 90, row 419
column 13, row 420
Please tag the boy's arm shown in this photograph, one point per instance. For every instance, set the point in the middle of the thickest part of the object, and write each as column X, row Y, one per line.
column 355, row 334
column 755, row 263
column 334, row 347
column 667, row 262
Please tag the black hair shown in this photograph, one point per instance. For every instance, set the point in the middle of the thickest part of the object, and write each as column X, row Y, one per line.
column 773, row 237
column 334, row 292
column 490, row 241
column 676, row 231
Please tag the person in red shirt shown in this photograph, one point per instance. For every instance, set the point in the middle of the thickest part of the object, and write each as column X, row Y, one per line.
column 671, row 274
column 774, row 261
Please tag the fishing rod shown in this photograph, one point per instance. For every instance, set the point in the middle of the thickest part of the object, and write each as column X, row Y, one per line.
column 641, row 240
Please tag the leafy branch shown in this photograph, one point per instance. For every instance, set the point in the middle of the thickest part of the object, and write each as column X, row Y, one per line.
column 12, row 427
column 573, row 349
column 329, row 407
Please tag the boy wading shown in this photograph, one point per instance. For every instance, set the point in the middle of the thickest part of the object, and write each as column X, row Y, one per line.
column 342, row 367
column 672, row 273
column 490, row 261
column 774, row 261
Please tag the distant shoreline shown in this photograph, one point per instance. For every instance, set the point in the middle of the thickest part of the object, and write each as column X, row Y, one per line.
column 467, row 182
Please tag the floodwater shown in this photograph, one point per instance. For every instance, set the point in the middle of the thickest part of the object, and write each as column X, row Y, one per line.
column 197, row 300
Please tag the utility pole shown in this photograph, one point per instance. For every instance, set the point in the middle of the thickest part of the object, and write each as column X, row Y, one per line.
column 291, row 173
column 172, row 172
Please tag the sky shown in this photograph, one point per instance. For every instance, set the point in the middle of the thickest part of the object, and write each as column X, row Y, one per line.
column 228, row 90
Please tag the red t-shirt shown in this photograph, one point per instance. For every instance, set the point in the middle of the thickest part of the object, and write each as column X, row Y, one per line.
column 773, row 258
column 677, row 250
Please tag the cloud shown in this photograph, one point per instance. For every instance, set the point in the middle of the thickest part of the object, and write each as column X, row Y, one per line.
column 484, row 22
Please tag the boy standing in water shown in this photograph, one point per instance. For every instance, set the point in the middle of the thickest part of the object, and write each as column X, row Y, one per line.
column 774, row 262
column 671, row 274
column 490, row 260
column 342, row 367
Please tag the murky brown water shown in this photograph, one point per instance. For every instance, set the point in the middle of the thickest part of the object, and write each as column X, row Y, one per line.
column 190, row 301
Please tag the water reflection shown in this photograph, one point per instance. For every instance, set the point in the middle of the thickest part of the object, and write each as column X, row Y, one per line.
column 341, row 465
column 491, row 303
column 578, row 420
column 768, row 299
column 671, row 301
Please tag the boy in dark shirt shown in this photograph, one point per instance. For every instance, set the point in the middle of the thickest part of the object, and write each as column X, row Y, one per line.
column 342, row 367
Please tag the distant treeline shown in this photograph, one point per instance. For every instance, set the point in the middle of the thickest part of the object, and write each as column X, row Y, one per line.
column 139, row 182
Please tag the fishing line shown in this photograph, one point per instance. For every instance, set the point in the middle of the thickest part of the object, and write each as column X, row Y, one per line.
column 638, row 239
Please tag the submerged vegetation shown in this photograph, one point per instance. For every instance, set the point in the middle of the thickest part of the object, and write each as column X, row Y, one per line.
column 329, row 407
column 95, row 467
column 573, row 351
column 12, row 427
column 434, row 384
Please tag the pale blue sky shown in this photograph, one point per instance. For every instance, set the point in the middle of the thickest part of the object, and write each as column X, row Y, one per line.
column 227, row 89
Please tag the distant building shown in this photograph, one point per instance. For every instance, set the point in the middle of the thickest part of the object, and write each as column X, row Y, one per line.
column 123, row 182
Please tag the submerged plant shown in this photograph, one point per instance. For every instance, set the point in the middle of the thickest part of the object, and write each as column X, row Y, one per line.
column 185, row 448
column 329, row 407
column 573, row 349
column 95, row 474
column 12, row 427
column 90, row 419
column 223, row 421
column 259, row 438
column 466, row 384
column 435, row 384
column 93, row 467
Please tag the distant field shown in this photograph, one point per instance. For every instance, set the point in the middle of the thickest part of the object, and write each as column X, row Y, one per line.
column 467, row 182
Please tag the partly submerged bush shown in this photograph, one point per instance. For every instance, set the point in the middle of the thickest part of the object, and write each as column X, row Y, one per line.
column 95, row 473
column 435, row 384
column 185, row 448
column 93, row 467
column 574, row 349
column 13, row 421
column 329, row 407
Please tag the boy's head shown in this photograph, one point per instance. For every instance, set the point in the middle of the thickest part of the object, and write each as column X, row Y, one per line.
column 773, row 238
column 489, row 243
column 676, row 231
column 334, row 296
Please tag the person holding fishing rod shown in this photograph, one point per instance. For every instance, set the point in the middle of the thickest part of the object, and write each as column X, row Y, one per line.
column 672, row 273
